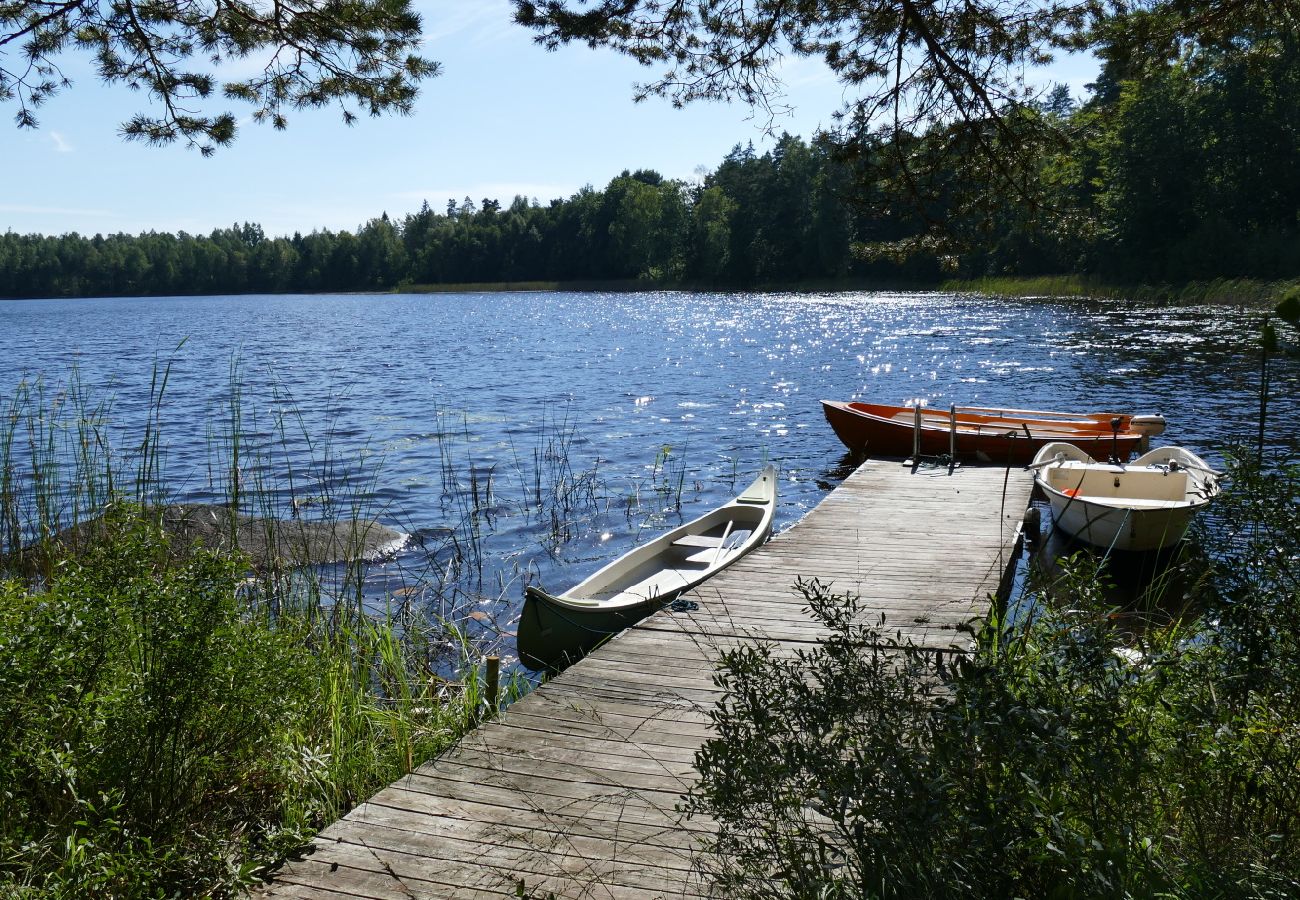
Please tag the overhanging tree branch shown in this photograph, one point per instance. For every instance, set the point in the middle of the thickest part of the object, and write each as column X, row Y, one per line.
column 933, row 84
column 358, row 53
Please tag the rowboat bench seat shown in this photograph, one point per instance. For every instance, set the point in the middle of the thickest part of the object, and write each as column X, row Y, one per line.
column 702, row 557
column 707, row 549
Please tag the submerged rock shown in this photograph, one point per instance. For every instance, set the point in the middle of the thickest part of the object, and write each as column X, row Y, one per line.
column 268, row 542
column 284, row 542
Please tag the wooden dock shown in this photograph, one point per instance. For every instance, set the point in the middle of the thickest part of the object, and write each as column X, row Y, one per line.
column 573, row 789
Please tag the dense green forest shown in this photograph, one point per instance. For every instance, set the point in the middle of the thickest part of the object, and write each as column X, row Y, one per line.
column 1174, row 172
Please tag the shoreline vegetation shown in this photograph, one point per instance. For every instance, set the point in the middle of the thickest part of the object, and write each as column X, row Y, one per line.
column 189, row 693
column 1249, row 292
column 1262, row 294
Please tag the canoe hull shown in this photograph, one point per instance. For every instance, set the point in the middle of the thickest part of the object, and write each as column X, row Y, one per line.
column 552, row 637
column 888, row 431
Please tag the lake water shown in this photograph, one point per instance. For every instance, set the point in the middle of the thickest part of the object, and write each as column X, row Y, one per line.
column 537, row 435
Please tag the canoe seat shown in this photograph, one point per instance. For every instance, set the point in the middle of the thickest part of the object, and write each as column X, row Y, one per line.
column 702, row 557
column 699, row 541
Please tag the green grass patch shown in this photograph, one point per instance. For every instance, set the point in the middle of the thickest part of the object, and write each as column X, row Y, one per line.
column 1230, row 291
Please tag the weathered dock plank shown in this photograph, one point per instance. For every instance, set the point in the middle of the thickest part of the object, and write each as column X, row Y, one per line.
column 574, row 789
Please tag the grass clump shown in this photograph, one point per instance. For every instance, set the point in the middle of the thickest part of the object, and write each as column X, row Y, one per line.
column 1043, row 763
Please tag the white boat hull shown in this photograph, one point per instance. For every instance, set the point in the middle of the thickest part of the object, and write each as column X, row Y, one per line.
column 1110, row 527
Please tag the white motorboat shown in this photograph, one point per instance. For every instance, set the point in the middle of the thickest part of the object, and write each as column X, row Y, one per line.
column 1144, row 505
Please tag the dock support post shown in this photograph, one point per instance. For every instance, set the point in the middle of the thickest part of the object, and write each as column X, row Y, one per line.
column 952, row 437
column 916, row 436
column 1032, row 526
column 493, row 679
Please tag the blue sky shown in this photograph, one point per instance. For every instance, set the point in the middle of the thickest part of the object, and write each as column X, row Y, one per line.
column 504, row 118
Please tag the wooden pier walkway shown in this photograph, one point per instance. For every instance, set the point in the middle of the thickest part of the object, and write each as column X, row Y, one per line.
column 573, row 789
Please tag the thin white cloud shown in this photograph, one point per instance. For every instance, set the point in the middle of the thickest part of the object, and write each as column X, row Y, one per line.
column 804, row 71
column 477, row 21
column 61, row 144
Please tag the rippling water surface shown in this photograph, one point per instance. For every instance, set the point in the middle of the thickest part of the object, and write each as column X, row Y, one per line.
column 546, row 431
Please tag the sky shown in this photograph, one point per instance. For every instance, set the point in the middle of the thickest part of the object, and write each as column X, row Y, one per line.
column 504, row 118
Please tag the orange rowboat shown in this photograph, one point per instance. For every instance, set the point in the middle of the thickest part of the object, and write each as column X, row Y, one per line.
column 986, row 434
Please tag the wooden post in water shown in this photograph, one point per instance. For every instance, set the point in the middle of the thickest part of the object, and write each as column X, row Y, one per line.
column 493, row 679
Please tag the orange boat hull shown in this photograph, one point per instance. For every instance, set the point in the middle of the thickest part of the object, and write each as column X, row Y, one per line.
column 999, row 437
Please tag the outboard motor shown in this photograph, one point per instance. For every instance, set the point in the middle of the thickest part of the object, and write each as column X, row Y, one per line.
column 1148, row 427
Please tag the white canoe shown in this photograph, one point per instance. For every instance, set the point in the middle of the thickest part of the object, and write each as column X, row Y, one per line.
column 559, row 628
column 1145, row 505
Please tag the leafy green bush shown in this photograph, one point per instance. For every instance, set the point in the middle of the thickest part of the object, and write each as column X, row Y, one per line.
column 163, row 734
column 143, row 720
column 174, row 721
column 1042, row 764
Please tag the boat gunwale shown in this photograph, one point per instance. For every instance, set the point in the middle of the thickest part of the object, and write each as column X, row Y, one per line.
column 937, row 419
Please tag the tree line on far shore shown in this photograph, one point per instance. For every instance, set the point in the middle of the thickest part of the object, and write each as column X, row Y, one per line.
column 1185, row 172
